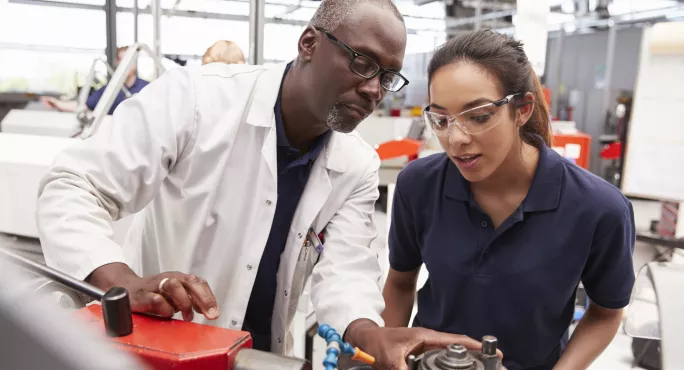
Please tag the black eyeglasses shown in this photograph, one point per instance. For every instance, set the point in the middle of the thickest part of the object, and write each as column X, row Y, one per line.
column 366, row 67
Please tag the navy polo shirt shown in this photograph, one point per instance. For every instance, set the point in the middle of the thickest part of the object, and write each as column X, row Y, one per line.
column 293, row 172
column 516, row 282
column 96, row 95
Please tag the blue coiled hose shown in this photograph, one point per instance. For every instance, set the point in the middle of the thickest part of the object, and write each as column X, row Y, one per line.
column 335, row 345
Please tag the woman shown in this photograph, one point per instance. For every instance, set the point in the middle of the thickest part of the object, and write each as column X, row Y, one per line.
column 505, row 226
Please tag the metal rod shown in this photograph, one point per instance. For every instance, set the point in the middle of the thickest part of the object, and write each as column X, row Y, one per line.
column 555, row 97
column 156, row 36
column 256, row 31
column 110, row 24
column 135, row 21
column 50, row 273
column 115, row 84
column 478, row 15
column 610, row 60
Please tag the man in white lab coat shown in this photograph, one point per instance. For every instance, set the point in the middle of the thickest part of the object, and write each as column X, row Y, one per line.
column 245, row 181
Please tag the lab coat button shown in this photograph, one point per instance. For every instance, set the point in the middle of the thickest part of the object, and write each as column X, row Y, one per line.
column 299, row 235
column 280, row 340
column 249, row 267
column 286, row 293
column 268, row 202
column 233, row 322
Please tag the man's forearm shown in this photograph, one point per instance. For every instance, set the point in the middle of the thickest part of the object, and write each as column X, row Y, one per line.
column 593, row 334
column 107, row 276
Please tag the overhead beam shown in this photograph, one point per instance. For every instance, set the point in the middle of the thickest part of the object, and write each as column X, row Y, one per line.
column 458, row 22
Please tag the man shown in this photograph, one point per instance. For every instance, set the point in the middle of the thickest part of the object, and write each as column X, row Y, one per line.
column 132, row 83
column 247, row 180
column 224, row 51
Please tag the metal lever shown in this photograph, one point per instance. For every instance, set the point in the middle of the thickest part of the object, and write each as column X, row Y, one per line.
column 116, row 82
column 116, row 307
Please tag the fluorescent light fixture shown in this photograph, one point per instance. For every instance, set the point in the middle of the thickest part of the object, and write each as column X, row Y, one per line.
column 676, row 14
column 568, row 6
column 623, row 7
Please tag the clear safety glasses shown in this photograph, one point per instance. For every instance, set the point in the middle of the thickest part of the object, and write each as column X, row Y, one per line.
column 472, row 121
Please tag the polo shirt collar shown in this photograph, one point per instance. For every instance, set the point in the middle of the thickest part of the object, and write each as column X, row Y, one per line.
column 544, row 193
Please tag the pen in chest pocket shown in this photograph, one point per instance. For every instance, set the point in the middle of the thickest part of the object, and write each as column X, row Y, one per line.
column 316, row 240
column 312, row 242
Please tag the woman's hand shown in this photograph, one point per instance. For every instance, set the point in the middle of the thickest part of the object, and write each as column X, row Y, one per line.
column 392, row 346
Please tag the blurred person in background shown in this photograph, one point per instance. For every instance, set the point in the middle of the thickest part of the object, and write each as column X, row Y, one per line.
column 224, row 51
column 133, row 84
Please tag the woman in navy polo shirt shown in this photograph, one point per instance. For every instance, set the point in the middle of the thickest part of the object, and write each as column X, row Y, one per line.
column 505, row 226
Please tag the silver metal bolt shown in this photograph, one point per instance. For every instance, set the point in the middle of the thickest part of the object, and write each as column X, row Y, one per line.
column 489, row 344
column 456, row 351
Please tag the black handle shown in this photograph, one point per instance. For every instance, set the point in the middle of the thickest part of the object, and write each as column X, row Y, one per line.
column 116, row 307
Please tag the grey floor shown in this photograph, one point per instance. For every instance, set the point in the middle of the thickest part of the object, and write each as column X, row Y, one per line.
column 617, row 356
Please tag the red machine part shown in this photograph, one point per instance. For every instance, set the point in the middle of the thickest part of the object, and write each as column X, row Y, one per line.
column 612, row 151
column 174, row 344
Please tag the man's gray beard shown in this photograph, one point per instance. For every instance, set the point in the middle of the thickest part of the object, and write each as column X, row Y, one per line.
column 336, row 120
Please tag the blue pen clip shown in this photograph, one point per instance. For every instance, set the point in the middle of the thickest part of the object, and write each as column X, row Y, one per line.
column 315, row 241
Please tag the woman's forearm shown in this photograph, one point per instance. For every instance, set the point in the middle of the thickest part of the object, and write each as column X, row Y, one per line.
column 593, row 334
column 398, row 306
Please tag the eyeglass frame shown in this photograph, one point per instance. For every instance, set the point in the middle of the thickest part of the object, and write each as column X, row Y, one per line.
column 499, row 103
column 355, row 54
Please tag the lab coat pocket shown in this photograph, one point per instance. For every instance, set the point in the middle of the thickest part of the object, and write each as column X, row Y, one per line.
column 309, row 254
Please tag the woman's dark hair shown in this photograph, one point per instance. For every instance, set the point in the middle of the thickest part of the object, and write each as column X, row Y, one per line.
column 505, row 59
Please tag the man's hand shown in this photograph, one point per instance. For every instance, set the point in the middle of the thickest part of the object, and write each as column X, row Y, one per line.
column 392, row 346
column 179, row 292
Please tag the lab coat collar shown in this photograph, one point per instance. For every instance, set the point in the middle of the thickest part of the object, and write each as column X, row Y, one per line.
column 335, row 159
column 264, row 96
column 261, row 114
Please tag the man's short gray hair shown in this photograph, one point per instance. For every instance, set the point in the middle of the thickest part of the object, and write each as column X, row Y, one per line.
column 331, row 13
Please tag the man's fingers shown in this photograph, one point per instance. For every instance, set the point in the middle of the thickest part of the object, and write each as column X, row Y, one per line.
column 152, row 303
column 174, row 291
column 202, row 296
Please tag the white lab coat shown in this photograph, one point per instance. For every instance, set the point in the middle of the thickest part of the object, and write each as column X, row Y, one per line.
column 194, row 155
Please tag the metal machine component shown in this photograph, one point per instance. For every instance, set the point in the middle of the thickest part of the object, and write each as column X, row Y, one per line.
column 116, row 83
column 82, row 113
column 36, row 334
column 654, row 314
column 116, row 306
column 457, row 357
column 250, row 359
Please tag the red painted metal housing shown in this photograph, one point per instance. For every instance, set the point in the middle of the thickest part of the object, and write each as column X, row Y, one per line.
column 173, row 344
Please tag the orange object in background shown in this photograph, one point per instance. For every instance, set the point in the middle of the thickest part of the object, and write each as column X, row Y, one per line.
column 547, row 95
column 398, row 148
column 575, row 147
